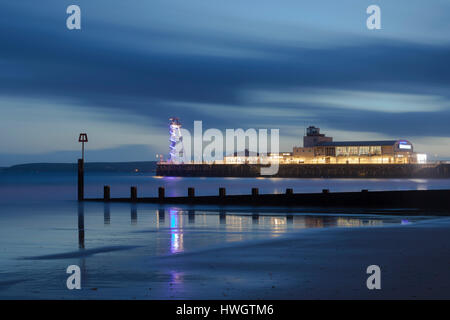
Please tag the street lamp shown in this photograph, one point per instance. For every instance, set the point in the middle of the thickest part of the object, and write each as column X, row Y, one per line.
column 82, row 138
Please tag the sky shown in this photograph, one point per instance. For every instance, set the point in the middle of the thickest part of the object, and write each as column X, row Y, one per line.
column 232, row 64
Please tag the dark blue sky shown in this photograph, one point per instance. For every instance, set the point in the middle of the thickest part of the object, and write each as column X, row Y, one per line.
column 232, row 64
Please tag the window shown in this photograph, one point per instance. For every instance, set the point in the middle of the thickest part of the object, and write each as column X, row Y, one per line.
column 353, row 151
column 364, row 151
column 375, row 150
column 330, row 151
column 341, row 151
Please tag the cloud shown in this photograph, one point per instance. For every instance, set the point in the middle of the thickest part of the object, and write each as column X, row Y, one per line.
column 390, row 102
column 134, row 65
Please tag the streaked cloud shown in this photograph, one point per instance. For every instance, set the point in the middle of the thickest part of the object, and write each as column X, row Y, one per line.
column 357, row 100
column 231, row 64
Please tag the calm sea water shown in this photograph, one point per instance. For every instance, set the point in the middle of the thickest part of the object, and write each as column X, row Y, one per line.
column 56, row 186
column 43, row 229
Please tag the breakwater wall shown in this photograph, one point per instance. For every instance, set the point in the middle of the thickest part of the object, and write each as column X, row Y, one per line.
column 308, row 170
column 410, row 199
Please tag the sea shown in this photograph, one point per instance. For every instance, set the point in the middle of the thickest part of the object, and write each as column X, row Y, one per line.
column 118, row 246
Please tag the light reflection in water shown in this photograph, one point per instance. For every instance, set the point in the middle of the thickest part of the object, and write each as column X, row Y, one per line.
column 176, row 283
column 106, row 214
column 177, row 277
column 161, row 216
column 133, row 214
column 176, row 230
column 352, row 222
column 237, row 226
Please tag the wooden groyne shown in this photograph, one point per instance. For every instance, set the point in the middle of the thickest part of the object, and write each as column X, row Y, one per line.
column 411, row 199
column 308, row 170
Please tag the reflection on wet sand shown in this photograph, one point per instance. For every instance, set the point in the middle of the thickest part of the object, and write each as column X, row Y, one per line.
column 106, row 214
column 233, row 226
column 133, row 214
column 191, row 216
column 161, row 214
column 81, row 244
column 176, row 230
column 177, row 282
column 222, row 217
column 255, row 217
column 81, row 225
column 187, row 229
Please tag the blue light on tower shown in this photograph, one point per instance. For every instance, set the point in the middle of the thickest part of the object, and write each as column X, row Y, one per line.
column 176, row 141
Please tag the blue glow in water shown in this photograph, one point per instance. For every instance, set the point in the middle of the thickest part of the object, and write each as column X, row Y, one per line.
column 176, row 244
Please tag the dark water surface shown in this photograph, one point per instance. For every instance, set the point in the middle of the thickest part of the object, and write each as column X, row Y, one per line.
column 43, row 229
column 61, row 186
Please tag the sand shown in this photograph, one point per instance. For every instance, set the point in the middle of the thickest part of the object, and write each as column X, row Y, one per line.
column 317, row 264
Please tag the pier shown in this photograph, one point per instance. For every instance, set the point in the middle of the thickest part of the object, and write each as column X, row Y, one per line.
column 402, row 171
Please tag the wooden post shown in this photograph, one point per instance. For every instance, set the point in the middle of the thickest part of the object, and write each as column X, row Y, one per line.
column 133, row 191
column 106, row 193
column 80, row 179
column 364, row 190
column 222, row 192
column 255, row 217
column 222, row 217
column 191, row 216
column 133, row 214
column 161, row 193
column 255, row 192
column 325, row 191
column 289, row 191
column 161, row 214
column 289, row 218
column 191, row 192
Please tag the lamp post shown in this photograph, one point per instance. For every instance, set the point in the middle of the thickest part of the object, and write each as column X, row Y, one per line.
column 82, row 138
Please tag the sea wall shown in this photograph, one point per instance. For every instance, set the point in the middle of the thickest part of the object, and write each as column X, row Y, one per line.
column 309, row 170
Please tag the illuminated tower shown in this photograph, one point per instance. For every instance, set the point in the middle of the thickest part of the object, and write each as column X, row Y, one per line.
column 176, row 141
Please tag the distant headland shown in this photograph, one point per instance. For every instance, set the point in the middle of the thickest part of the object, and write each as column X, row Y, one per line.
column 119, row 167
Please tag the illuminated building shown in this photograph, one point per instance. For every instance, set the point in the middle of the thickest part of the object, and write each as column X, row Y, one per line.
column 320, row 149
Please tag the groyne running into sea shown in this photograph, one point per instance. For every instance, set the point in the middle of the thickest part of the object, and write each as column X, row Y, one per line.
column 410, row 199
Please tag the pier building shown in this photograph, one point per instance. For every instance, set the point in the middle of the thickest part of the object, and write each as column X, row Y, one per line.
column 321, row 149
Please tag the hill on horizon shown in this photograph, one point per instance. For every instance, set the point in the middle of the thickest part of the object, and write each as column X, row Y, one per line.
column 135, row 166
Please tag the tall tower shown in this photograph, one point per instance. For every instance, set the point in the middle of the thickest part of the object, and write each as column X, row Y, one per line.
column 313, row 137
column 176, row 141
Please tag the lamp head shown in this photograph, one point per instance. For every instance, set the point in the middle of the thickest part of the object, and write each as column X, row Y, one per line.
column 83, row 137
